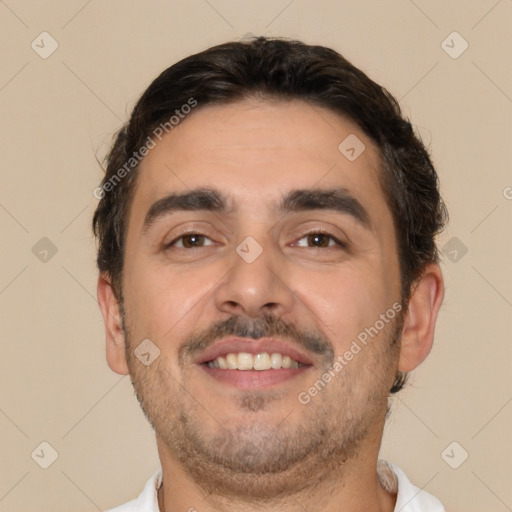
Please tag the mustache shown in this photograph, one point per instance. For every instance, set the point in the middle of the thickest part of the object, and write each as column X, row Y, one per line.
column 267, row 326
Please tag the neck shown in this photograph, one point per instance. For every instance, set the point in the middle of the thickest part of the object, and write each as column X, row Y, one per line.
column 351, row 485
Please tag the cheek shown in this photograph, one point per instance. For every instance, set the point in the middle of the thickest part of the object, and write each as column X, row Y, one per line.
column 161, row 300
column 343, row 303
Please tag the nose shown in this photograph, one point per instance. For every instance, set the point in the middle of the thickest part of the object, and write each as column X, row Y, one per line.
column 255, row 287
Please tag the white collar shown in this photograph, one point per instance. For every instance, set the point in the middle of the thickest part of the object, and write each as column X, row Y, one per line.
column 409, row 497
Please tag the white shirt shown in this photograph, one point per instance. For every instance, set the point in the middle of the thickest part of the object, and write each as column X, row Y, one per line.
column 409, row 497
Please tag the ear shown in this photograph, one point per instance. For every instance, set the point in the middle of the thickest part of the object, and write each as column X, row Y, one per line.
column 420, row 318
column 115, row 339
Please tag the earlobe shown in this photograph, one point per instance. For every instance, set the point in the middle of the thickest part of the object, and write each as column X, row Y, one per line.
column 420, row 318
column 114, row 334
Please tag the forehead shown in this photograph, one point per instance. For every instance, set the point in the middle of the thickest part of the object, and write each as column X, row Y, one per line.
column 255, row 151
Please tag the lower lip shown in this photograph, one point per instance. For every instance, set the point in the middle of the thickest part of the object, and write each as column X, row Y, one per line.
column 254, row 379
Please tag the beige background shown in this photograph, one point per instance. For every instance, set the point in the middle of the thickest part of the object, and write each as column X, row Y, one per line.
column 60, row 111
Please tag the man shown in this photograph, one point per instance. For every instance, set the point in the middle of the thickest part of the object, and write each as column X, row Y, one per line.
column 268, row 276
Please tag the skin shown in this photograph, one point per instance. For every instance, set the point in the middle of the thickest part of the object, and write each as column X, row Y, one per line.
column 223, row 448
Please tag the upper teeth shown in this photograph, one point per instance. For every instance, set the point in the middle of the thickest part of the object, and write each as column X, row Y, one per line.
column 246, row 361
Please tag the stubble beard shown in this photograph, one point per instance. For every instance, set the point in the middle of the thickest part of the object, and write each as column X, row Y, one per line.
column 261, row 459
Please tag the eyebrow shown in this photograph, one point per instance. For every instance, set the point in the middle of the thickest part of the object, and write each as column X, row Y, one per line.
column 335, row 199
column 197, row 199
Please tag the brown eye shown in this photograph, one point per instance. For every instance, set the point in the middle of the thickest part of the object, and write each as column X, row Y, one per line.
column 190, row 241
column 193, row 241
column 319, row 240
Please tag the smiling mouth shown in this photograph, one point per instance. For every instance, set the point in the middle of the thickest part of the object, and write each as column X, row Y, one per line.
column 245, row 361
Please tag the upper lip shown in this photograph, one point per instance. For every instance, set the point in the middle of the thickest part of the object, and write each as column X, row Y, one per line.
column 251, row 346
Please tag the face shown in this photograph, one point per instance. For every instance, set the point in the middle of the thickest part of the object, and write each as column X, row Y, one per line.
column 251, row 233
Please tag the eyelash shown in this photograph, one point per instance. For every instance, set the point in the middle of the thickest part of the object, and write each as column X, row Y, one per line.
column 339, row 243
column 183, row 235
column 324, row 233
